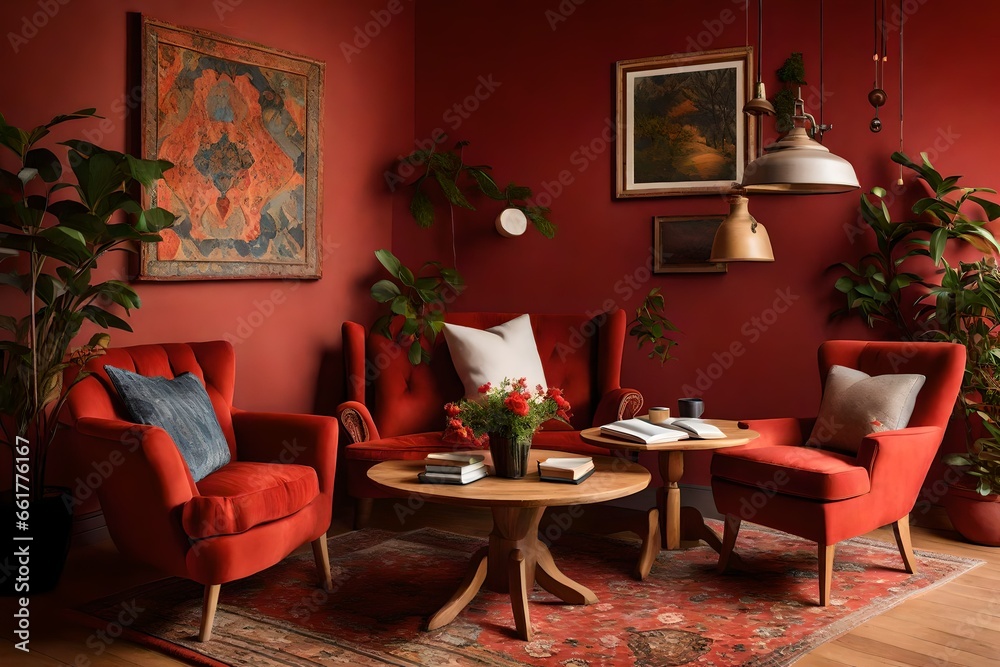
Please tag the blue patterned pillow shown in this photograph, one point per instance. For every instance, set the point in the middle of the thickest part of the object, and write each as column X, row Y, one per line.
column 182, row 408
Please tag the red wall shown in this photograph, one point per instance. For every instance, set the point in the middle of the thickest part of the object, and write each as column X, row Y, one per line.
column 286, row 332
column 556, row 95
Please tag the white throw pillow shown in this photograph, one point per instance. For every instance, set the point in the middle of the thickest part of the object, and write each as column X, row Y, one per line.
column 856, row 404
column 507, row 350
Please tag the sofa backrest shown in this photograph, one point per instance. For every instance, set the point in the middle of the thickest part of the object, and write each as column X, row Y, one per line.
column 214, row 363
column 943, row 364
column 580, row 354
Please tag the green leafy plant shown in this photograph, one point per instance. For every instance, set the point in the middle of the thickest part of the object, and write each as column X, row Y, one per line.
column 880, row 286
column 448, row 170
column 59, row 241
column 511, row 409
column 963, row 307
column 652, row 326
column 966, row 307
column 792, row 75
column 417, row 303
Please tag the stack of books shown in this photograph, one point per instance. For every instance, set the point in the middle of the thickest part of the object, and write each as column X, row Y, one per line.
column 566, row 470
column 448, row 468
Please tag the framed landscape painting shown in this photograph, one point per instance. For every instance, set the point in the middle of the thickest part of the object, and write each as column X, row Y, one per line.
column 242, row 125
column 681, row 129
column 683, row 244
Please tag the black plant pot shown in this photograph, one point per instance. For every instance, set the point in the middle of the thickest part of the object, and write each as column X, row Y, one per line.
column 29, row 567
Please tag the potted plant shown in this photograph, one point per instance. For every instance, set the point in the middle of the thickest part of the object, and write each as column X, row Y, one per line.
column 53, row 243
column 652, row 326
column 962, row 308
column 508, row 415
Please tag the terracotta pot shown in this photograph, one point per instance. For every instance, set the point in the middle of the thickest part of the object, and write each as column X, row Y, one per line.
column 976, row 517
column 510, row 456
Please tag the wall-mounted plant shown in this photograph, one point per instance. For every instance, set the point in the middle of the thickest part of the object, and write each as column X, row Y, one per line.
column 652, row 326
column 417, row 303
column 447, row 169
column 792, row 75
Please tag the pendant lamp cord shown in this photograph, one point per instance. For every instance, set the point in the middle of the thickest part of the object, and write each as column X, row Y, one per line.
column 902, row 20
column 822, row 92
column 760, row 36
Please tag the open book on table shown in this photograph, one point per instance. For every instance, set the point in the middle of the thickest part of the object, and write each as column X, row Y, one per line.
column 671, row 430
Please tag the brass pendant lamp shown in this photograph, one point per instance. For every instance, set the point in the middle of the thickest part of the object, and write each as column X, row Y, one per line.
column 740, row 238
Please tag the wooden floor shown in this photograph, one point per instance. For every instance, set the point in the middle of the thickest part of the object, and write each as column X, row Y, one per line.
column 955, row 624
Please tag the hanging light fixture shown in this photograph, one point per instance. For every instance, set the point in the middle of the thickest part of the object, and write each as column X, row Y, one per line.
column 759, row 105
column 740, row 238
column 798, row 164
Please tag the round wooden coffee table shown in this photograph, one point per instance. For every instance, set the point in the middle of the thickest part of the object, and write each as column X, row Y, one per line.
column 515, row 558
column 678, row 523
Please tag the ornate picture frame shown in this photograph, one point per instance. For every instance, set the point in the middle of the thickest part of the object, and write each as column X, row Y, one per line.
column 680, row 124
column 242, row 124
column 683, row 244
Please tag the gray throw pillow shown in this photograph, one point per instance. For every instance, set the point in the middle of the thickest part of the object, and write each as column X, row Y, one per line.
column 182, row 408
column 856, row 404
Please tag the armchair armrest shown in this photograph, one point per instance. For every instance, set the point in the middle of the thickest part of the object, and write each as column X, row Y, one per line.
column 900, row 459
column 789, row 431
column 357, row 421
column 271, row 437
column 617, row 404
column 143, row 483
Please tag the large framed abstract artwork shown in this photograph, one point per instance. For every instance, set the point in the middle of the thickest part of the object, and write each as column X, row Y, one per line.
column 681, row 129
column 242, row 125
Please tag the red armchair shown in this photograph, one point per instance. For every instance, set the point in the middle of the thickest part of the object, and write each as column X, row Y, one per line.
column 826, row 495
column 275, row 494
column 395, row 410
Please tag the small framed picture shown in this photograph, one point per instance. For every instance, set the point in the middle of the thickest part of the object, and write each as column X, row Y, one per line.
column 683, row 244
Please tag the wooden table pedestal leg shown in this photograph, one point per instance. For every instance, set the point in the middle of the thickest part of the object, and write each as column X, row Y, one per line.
column 671, row 470
column 514, row 560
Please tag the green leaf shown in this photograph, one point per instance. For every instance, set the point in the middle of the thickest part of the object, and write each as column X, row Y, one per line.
column 103, row 318
column 46, row 162
column 542, row 224
column 486, row 184
column 384, row 290
column 517, row 192
column 9, row 323
column 98, row 177
column 147, row 172
column 154, row 219
column 415, row 353
column 451, row 191
column 422, row 209
column 389, row 261
column 844, row 285
column 401, row 306
column 937, row 244
column 992, row 209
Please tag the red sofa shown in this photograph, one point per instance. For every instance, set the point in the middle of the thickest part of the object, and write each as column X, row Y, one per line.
column 395, row 410
column 274, row 495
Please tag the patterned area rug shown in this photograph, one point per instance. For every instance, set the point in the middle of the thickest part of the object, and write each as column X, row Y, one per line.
column 386, row 584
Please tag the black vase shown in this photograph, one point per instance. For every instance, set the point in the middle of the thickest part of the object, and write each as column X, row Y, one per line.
column 29, row 567
column 510, row 455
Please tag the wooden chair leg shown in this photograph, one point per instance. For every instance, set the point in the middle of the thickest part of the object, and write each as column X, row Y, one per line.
column 208, row 605
column 901, row 529
column 729, row 532
column 825, row 572
column 322, row 555
column 362, row 512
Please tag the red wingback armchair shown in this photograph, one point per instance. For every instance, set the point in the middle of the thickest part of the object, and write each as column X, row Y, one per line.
column 274, row 495
column 825, row 495
column 395, row 410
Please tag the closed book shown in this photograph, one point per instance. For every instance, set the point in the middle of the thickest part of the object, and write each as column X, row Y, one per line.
column 565, row 468
column 454, row 469
column 453, row 459
column 451, row 478
column 640, row 430
column 566, row 480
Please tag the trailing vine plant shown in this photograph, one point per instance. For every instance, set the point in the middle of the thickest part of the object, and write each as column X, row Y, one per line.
column 651, row 326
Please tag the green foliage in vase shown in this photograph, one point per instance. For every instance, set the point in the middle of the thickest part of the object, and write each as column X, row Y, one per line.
column 652, row 326
column 57, row 242
column 448, row 170
column 417, row 303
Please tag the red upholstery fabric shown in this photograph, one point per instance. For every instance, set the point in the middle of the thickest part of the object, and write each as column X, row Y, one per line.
column 147, row 497
column 829, row 496
column 797, row 471
column 395, row 410
column 243, row 494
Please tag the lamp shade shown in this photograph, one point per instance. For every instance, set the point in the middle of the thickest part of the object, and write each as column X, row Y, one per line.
column 740, row 238
column 798, row 164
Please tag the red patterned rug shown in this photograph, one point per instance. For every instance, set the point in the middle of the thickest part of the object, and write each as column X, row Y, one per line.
column 386, row 584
